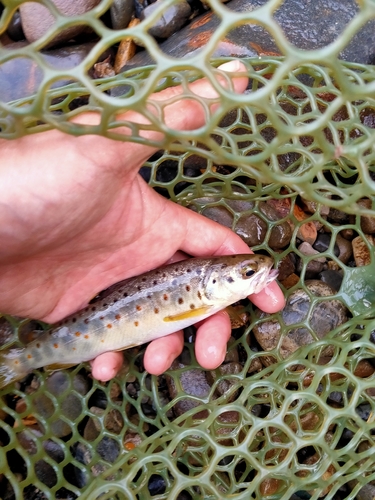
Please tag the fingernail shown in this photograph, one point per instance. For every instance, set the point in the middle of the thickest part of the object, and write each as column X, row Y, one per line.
column 231, row 66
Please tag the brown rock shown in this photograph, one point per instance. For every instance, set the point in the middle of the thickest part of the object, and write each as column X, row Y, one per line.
column 367, row 221
column 345, row 247
column 361, row 252
column 286, row 266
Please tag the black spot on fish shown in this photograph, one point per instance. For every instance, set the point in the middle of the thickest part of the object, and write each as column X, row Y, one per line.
column 125, row 294
column 155, row 282
column 180, row 300
column 74, row 320
column 230, row 279
column 188, row 270
column 93, row 309
column 144, row 279
column 213, row 281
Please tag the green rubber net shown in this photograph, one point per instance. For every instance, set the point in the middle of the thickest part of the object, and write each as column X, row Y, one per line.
column 290, row 412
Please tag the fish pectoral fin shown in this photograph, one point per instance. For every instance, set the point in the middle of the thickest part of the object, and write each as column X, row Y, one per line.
column 191, row 313
column 58, row 366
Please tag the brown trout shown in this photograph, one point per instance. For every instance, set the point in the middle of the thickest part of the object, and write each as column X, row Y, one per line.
column 141, row 309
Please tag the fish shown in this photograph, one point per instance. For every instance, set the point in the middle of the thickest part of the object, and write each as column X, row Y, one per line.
column 140, row 309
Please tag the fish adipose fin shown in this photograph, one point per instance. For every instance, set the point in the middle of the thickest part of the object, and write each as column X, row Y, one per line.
column 11, row 368
column 191, row 313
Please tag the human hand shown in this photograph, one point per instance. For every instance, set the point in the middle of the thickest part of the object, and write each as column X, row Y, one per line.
column 75, row 218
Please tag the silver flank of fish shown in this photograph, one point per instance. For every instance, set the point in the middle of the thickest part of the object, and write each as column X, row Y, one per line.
column 141, row 309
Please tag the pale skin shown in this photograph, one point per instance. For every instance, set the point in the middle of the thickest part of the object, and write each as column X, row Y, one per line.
column 75, row 217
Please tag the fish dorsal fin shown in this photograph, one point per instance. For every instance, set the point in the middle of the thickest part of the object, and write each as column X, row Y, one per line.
column 191, row 313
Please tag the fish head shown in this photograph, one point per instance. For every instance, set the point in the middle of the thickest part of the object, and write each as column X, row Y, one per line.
column 238, row 276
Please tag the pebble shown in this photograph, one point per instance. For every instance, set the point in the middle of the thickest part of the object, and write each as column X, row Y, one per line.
column 345, row 249
column 193, row 383
column 37, row 19
column 171, row 20
column 361, row 252
column 323, row 242
column 225, row 384
column 325, row 316
column 250, row 226
column 313, row 267
column 121, row 13
column 286, row 266
column 338, row 216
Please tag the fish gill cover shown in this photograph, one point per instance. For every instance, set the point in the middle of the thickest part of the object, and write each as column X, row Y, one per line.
column 289, row 165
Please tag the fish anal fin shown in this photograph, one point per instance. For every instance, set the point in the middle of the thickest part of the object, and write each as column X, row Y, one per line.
column 191, row 313
column 58, row 366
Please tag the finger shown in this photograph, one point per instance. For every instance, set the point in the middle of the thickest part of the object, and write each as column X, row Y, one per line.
column 161, row 353
column 106, row 366
column 271, row 299
column 211, row 341
column 185, row 114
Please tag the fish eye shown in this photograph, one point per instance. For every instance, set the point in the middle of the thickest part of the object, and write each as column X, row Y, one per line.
column 249, row 273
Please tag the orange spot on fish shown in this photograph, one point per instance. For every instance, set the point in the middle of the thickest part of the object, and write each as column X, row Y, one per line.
column 29, row 356
column 77, row 334
column 129, row 446
column 192, row 306
column 199, row 295
column 16, row 362
column 74, row 348
column 136, row 323
column 118, row 316
column 38, row 345
column 87, row 336
column 156, row 310
column 187, row 288
column 102, row 340
column 55, row 346
column 109, row 325
column 165, row 296
column 101, row 318
column 139, row 308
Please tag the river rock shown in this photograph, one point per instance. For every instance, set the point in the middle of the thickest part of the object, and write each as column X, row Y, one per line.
column 332, row 278
column 37, row 19
column 194, row 383
column 251, row 227
column 345, row 248
column 172, row 19
column 322, row 243
column 361, row 252
column 22, row 76
column 367, row 221
column 324, row 317
column 70, row 404
column 121, row 13
column 302, row 22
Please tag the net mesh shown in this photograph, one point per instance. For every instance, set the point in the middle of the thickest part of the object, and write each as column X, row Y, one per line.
column 290, row 413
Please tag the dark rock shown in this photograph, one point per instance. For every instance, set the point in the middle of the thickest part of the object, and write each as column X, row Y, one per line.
column 109, row 449
column 332, row 278
column 21, row 77
column 194, row 383
column 286, row 266
column 121, row 13
column 307, row 25
column 15, row 30
column 172, row 19
column 156, row 485
column 322, row 243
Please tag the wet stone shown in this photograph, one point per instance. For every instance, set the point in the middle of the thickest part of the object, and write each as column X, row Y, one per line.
column 361, row 252
column 193, row 383
column 15, row 30
column 286, row 266
column 225, row 384
column 332, row 278
column 322, row 243
column 325, row 316
column 345, row 248
column 109, row 449
column 37, row 19
column 173, row 18
column 121, row 13
column 70, row 405
column 338, row 216
column 313, row 267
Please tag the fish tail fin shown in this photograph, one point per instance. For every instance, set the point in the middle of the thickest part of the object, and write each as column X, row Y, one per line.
column 11, row 368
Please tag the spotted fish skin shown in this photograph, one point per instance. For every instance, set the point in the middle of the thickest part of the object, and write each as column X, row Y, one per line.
column 141, row 309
